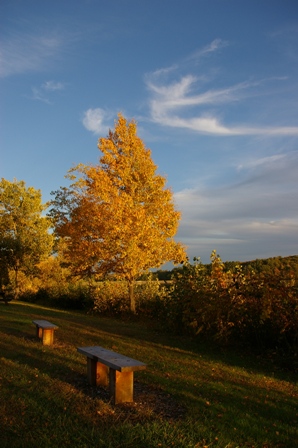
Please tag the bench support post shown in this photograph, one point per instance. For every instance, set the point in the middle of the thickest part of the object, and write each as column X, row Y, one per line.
column 121, row 386
column 47, row 336
column 97, row 373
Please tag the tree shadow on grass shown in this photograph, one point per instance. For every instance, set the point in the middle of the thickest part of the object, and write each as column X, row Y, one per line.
column 150, row 402
column 221, row 398
column 76, row 327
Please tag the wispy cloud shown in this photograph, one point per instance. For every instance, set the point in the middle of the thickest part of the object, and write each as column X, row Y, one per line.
column 21, row 53
column 234, row 219
column 264, row 161
column 53, row 86
column 38, row 95
column 178, row 95
column 42, row 92
column 154, row 78
column 214, row 46
column 94, row 120
column 183, row 103
column 286, row 39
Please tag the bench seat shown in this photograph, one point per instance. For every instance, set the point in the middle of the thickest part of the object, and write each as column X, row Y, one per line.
column 105, row 367
column 45, row 331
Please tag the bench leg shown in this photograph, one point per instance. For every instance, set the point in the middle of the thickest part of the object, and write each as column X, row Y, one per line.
column 121, row 386
column 47, row 337
column 97, row 373
column 38, row 332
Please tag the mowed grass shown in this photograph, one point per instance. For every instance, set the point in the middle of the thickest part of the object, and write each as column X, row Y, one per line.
column 191, row 395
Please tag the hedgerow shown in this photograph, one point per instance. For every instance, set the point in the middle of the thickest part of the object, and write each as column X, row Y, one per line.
column 228, row 303
column 255, row 309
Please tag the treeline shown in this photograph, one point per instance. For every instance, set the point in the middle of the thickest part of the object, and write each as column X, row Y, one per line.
column 259, row 265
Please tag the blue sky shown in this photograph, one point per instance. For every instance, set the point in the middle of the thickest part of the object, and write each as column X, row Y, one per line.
column 212, row 84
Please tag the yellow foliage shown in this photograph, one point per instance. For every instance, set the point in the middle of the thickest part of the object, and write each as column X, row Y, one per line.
column 122, row 217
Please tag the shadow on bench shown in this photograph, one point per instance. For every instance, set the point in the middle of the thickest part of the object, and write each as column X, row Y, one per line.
column 105, row 367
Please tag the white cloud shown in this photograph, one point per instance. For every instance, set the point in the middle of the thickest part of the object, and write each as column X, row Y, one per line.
column 262, row 161
column 215, row 45
column 53, row 85
column 42, row 93
column 38, row 94
column 203, row 125
column 160, row 72
column 172, row 103
column 22, row 53
column 170, row 99
column 94, row 120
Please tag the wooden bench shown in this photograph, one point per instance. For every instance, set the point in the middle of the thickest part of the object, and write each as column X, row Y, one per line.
column 45, row 331
column 105, row 367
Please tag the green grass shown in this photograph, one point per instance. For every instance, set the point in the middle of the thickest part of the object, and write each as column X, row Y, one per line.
column 191, row 395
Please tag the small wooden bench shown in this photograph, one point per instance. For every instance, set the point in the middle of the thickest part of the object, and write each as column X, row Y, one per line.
column 105, row 367
column 45, row 331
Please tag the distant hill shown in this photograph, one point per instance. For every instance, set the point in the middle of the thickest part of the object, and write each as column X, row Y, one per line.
column 258, row 265
column 269, row 264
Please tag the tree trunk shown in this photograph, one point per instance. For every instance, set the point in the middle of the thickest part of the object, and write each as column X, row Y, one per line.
column 132, row 296
column 16, row 290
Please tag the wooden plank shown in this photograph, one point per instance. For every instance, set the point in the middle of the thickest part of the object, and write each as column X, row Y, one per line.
column 112, row 359
column 44, row 324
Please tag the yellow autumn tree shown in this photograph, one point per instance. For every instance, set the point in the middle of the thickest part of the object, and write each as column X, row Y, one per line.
column 118, row 216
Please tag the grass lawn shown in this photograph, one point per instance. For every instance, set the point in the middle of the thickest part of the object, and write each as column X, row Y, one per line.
column 190, row 395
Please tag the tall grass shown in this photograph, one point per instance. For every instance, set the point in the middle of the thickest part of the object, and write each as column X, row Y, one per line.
column 191, row 395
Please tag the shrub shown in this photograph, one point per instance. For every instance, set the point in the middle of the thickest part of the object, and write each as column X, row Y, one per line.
column 66, row 295
column 112, row 296
column 256, row 309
